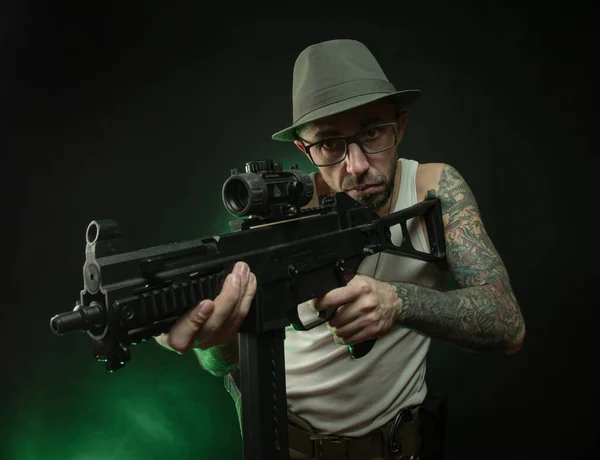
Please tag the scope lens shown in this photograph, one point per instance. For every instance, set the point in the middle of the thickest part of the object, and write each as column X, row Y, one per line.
column 236, row 196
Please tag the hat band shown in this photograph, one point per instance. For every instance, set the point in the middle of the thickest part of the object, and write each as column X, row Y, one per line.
column 340, row 92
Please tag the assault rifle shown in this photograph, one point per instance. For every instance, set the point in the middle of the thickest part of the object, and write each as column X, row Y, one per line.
column 296, row 254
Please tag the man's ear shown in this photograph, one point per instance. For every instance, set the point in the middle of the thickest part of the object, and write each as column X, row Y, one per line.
column 299, row 145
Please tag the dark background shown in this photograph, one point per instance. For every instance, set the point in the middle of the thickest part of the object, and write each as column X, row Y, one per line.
column 137, row 114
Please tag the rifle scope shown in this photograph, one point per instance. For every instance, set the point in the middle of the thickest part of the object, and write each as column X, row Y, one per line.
column 267, row 188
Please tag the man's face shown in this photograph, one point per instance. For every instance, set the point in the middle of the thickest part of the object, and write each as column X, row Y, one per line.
column 366, row 178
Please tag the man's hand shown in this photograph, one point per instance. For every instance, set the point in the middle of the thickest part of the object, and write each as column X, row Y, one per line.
column 214, row 322
column 368, row 309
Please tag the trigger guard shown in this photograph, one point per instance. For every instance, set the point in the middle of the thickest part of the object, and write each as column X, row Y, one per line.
column 323, row 316
column 327, row 314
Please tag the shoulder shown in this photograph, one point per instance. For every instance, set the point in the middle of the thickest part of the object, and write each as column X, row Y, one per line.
column 439, row 179
column 443, row 181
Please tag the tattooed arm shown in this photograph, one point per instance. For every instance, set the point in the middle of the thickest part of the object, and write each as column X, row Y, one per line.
column 483, row 314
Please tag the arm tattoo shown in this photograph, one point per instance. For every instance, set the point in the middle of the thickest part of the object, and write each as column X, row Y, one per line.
column 220, row 359
column 464, row 317
column 483, row 314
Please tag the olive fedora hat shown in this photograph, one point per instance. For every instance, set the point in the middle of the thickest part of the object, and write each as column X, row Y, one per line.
column 334, row 76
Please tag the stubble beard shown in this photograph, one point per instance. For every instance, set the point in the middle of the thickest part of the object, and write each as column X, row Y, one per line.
column 380, row 199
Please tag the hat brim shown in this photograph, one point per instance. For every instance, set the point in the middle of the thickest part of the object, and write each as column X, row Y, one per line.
column 402, row 99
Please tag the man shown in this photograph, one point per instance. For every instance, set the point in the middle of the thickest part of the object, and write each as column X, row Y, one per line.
column 349, row 120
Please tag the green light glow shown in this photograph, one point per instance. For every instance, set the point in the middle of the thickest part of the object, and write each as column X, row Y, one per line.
column 161, row 405
column 66, row 406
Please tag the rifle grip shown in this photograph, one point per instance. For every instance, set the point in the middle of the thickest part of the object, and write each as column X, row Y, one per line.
column 358, row 350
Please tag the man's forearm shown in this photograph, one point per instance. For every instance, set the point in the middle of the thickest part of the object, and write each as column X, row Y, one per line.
column 221, row 359
column 477, row 318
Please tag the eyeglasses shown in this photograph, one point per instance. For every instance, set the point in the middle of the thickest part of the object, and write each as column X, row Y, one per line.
column 334, row 150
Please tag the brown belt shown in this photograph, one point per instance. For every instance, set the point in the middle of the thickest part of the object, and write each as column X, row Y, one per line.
column 373, row 445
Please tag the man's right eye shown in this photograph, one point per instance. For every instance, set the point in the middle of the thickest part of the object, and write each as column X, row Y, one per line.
column 333, row 144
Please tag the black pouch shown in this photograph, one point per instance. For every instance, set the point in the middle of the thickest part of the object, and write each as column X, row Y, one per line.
column 433, row 414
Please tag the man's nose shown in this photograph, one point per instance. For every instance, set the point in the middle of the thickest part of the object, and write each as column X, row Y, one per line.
column 356, row 161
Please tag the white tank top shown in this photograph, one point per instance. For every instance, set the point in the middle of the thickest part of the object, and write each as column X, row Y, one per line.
column 340, row 395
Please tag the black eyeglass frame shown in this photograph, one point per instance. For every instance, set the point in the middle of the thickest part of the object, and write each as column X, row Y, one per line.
column 350, row 140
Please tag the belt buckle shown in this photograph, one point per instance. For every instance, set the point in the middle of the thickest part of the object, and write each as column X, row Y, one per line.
column 335, row 446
